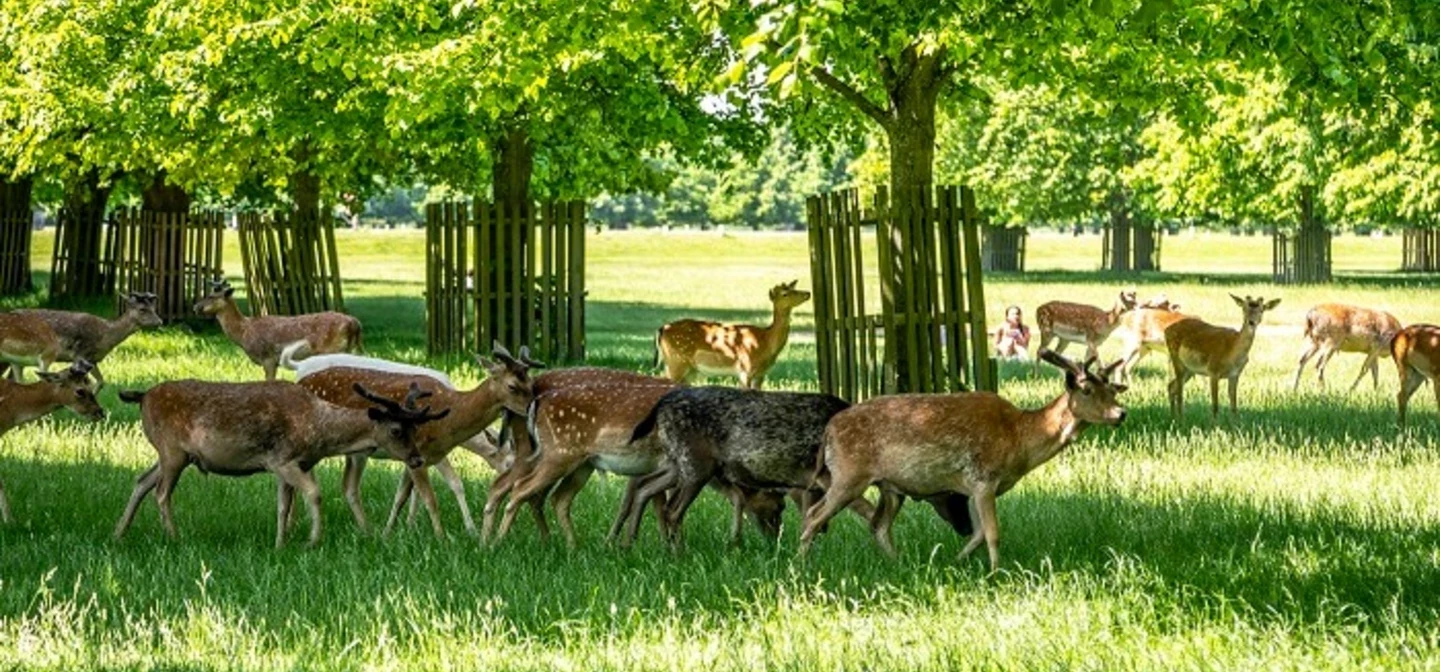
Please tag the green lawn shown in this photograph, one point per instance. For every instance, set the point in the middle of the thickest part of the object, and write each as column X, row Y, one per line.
column 1304, row 534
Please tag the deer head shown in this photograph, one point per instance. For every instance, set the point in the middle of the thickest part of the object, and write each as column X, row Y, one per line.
column 220, row 294
column 511, row 376
column 785, row 296
column 1254, row 307
column 400, row 421
column 1092, row 395
column 77, row 389
column 142, row 306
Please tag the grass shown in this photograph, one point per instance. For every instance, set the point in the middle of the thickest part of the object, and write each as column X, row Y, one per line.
column 1303, row 534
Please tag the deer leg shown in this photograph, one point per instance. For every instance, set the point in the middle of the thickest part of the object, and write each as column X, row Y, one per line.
column 837, row 497
column 1214, row 397
column 1375, row 371
column 1234, row 388
column 985, row 506
column 978, row 536
column 534, row 486
column 1371, row 364
column 1310, row 348
column 169, row 476
column 402, row 494
column 354, row 469
column 421, row 477
column 685, row 495
column 143, row 485
column 626, row 501
column 309, row 488
column 4, row 505
column 284, row 501
column 99, row 377
column 1177, row 392
column 270, row 365
column 499, row 489
column 1410, row 380
column 885, row 512
column 1132, row 358
column 737, row 512
column 564, row 495
column 457, row 487
column 1321, row 361
column 654, row 485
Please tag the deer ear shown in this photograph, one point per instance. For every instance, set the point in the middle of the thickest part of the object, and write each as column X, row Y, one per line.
column 50, row 377
column 1072, row 381
column 1270, row 305
column 229, row 292
column 1238, row 301
column 1118, row 387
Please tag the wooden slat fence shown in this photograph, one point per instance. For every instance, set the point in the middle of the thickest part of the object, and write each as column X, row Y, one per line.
column 1003, row 248
column 291, row 266
column 513, row 273
column 15, row 232
column 1420, row 250
column 1137, row 244
column 86, row 252
column 933, row 311
column 173, row 255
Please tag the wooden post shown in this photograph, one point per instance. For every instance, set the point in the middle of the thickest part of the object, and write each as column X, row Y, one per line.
column 15, row 234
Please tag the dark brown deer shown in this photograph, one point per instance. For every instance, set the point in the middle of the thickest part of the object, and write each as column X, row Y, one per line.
column 264, row 338
column 19, row 404
column 26, row 340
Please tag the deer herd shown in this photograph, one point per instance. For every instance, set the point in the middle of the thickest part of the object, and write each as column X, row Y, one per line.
column 759, row 449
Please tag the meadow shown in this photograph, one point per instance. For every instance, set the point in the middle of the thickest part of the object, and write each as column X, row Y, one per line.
column 1302, row 534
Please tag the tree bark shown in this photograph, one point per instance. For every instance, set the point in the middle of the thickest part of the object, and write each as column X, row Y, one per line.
column 15, row 234
column 514, row 165
column 1312, row 253
column 1119, row 233
column 81, row 242
column 1146, row 247
column 162, row 196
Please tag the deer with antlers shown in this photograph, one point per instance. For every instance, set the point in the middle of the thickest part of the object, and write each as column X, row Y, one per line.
column 26, row 340
column 1334, row 327
column 90, row 337
column 1200, row 348
column 506, row 387
column 744, row 350
column 239, row 429
column 263, row 338
column 1416, row 350
column 1068, row 322
column 975, row 444
column 19, row 404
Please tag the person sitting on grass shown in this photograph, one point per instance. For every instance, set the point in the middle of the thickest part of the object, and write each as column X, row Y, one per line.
column 1012, row 339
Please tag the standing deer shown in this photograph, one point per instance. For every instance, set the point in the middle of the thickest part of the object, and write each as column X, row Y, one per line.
column 745, row 350
column 19, row 404
column 239, row 429
column 1142, row 331
column 88, row 337
column 507, row 387
column 1197, row 347
column 1416, row 350
column 1069, row 322
column 972, row 443
column 263, row 338
column 26, row 340
column 1334, row 327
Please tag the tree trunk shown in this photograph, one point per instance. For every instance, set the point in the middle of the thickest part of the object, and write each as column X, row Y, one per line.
column 1118, row 233
column 15, row 233
column 1312, row 244
column 1421, row 251
column 79, row 267
column 514, row 165
column 162, row 196
column 1146, row 246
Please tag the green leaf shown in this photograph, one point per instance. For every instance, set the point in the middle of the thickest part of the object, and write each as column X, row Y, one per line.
column 780, row 71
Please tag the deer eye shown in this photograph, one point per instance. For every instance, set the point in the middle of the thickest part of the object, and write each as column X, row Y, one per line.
column 1085, row 390
column 396, row 432
column 83, row 393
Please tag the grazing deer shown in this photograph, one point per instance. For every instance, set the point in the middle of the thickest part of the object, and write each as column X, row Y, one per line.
column 239, row 429
column 1334, row 327
column 745, row 350
column 19, row 404
column 1069, row 322
column 972, row 443
column 1416, row 350
column 26, row 340
column 1142, row 331
column 89, row 337
column 1197, row 347
column 507, row 387
column 263, row 338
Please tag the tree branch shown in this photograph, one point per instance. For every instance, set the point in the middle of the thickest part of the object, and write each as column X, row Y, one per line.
column 879, row 114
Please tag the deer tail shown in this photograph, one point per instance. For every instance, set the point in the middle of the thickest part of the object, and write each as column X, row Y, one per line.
column 132, row 396
column 287, row 354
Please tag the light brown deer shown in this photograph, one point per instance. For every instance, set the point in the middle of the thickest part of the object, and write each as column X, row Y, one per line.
column 976, row 444
column 26, row 340
column 264, row 338
column 506, row 387
column 19, row 404
column 239, row 429
column 1416, row 350
column 1068, row 323
column 1199, row 348
column 1334, row 327
column 745, row 350
column 1142, row 331
column 89, row 337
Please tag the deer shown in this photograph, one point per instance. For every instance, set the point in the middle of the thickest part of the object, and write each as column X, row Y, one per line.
column 745, row 350
column 1416, row 351
column 506, row 387
column 311, row 363
column 21, row 403
column 1335, row 327
column 26, row 340
column 1199, row 348
column 975, row 444
column 1068, row 322
column 240, row 429
column 89, row 337
column 1142, row 331
column 263, row 338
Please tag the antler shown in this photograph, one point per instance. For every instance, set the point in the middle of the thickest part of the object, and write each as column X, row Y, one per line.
column 525, row 359
column 406, row 413
column 1061, row 361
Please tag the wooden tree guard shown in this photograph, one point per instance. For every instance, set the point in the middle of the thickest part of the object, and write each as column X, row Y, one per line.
column 1130, row 245
column 173, row 255
column 513, row 273
column 940, row 316
column 291, row 266
column 1420, row 250
column 15, row 228
column 1003, row 248
column 1304, row 256
column 86, row 249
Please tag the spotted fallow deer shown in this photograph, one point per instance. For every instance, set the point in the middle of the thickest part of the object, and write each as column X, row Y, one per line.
column 973, row 443
column 1416, row 351
column 240, row 429
column 1200, row 348
column 1142, row 331
column 1068, row 322
column 19, row 404
column 26, row 340
column 263, row 338
column 1334, row 327
column 89, row 337
column 506, row 387
column 745, row 350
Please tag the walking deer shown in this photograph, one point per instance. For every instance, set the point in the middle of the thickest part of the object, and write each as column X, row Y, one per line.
column 1334, row 327
column 263, row 338
column 506, row 387
column 745, row 350
column 240, row 429
column 1068, row 322
column 89, row 337
column 972, row 443
column 1199, row 348
column 1142, row 331
column 19, row 404
column 26, row 340
column 1416, row 350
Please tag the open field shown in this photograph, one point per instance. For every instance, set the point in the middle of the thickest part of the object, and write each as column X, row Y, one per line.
column 1304, row 534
